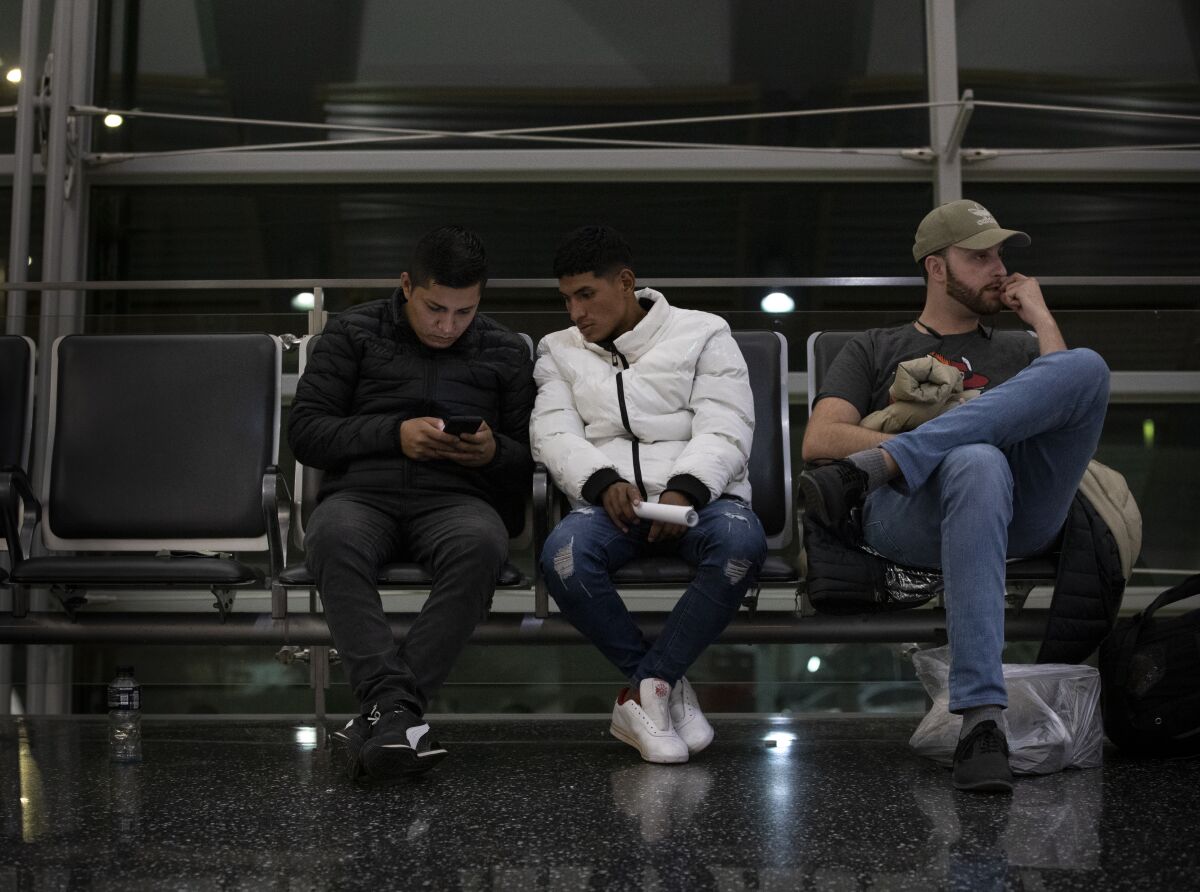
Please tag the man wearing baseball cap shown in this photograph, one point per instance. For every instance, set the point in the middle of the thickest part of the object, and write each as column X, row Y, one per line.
column 988, row 480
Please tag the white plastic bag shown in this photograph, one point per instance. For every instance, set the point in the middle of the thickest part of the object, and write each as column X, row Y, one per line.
column 1053, row 718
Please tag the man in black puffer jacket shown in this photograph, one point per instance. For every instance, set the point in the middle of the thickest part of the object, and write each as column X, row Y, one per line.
column 371, row 410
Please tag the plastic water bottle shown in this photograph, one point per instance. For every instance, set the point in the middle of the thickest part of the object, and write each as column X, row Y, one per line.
column 125, row 717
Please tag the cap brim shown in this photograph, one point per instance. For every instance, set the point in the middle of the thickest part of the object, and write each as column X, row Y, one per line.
column 989, row 238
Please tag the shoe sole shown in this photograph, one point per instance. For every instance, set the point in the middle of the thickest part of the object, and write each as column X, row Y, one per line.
column 812, row 501
column 349, row 743
column 701, row 745
column 382, row 764
column 353, row 748
column 992, row 785
column 633, row 742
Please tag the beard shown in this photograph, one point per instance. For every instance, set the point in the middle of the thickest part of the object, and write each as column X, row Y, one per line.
column 980, row 301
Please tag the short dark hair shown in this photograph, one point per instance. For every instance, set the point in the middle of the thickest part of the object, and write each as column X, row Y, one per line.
column 450, row 255
column 921, row 263
column 599, row 250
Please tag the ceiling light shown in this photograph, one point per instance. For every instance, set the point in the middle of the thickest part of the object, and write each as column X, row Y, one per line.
column 112, row 120
column 304, row 301
column 13, row 75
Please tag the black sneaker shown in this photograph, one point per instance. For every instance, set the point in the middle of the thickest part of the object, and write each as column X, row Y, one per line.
column 831, row 492
column 352, row 736
column 981, row 760
column 400, row 744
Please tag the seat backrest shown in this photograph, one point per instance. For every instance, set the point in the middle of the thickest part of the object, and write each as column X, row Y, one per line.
column 16, row 399
column 308, row 480
column 161, row 441
column 770, row 455
column 823, row 348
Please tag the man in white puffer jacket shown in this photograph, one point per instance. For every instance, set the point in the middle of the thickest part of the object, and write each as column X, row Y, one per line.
column 640, row 402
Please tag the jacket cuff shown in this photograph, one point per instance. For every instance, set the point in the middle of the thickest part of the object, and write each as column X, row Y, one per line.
column 598, row 482
column 691, row 487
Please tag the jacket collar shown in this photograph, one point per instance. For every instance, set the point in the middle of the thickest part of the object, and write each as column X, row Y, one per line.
column 642, row 336
column 398, row 300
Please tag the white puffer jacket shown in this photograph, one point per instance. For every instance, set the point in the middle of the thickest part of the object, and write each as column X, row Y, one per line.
column 682, row 381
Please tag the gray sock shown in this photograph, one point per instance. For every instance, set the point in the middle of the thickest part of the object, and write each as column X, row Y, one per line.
column 976, row 714
column 871, row 462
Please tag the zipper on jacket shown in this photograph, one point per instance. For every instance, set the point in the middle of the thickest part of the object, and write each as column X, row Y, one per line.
column 637, row 462
column 430, row 387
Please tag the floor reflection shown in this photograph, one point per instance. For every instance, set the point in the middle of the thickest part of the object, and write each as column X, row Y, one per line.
column 560, row 805
column 660, row 798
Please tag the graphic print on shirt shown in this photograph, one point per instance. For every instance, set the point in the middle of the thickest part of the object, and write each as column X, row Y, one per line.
column 972, row 380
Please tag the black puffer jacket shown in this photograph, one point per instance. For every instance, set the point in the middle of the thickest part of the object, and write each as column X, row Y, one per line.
column 369, row 372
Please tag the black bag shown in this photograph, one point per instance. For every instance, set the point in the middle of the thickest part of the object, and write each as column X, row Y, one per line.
column 847, row 579
column 1150, row 678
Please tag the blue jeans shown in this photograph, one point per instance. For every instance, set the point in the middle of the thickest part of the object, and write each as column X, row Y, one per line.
column 726, row 548
column 989, row 480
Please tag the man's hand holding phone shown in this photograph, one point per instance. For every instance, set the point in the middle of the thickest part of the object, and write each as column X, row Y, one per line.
column 475, row 448
column 427, row 438
column 422, row 439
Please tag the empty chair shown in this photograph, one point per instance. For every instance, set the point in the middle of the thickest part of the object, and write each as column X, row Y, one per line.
column 160, row 468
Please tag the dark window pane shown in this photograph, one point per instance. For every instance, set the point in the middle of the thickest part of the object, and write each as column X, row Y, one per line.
column 676, row 230
column 33, row 262
column 501, row 66
column 1100, row 229
column 10, row 58
column 1120, row 54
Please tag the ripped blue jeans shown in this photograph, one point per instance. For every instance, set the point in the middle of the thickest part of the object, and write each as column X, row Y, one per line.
column 726, row 549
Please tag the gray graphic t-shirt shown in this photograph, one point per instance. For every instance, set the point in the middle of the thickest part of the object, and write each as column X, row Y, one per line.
column 864, row 370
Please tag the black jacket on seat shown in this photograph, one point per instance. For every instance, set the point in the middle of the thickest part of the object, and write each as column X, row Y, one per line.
column 1088, row 590
column 369, row 372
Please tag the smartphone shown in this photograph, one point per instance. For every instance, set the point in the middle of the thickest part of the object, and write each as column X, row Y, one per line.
column 457, row 425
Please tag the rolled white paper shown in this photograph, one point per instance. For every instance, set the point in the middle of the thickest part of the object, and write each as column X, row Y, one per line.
column 680, row 514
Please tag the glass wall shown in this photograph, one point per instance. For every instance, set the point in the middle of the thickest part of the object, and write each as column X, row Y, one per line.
column 411, row 118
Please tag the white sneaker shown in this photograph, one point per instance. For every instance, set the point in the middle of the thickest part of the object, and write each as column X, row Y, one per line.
column 647, row 728
column 687, row 719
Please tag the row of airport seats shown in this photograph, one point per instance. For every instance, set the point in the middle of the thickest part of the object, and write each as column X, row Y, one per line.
column 161, row 473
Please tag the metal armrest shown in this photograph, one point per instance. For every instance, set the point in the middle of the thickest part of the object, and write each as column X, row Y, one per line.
column 543, row 493
column 15, row 491
column 277, row 514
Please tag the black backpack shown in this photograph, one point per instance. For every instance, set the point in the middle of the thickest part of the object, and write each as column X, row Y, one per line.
column 848, row 579
column 1150, row 678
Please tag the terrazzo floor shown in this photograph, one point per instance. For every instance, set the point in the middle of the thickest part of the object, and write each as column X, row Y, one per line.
column 811, row 803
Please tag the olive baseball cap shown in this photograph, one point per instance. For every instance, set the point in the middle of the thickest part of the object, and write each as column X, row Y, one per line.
column 965, row 224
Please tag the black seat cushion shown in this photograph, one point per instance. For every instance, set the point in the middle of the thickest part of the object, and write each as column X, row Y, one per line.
column 402, row 575
column 134, row 569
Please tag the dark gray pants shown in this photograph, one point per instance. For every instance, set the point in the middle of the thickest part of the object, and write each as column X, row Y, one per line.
column 351, row 534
